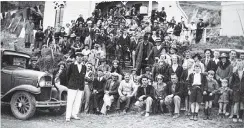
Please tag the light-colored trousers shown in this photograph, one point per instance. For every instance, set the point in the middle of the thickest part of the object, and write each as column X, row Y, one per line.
column 176, row 100
column 108, row 100
column 87, row 97
column 148, row 102
column 73, row 102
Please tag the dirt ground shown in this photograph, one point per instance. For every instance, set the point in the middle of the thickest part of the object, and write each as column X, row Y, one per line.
column 114, row 120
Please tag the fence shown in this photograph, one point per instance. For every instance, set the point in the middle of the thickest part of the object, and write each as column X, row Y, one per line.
column 209, row 33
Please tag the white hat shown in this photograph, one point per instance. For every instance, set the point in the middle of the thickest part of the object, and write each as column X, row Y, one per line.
column 89, row 22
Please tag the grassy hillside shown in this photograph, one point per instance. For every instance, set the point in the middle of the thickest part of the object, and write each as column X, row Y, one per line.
column 209, row 11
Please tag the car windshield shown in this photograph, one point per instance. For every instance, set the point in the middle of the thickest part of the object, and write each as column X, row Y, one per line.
column 14, row 61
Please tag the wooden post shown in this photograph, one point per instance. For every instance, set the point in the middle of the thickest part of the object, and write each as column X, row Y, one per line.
column 204, row 35
column 149, row 8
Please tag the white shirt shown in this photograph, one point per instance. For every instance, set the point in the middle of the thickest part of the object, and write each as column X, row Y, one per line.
column 197, row 79
column 79, row 66
column 216, row 60
column 174, row 67
column 158, row 47
column 86, row 52
column 240, row 73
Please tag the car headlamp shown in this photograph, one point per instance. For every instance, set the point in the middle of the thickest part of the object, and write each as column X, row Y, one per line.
column 42, row 82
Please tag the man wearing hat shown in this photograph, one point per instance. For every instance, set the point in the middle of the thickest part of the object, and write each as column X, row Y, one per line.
column 142, row 51
column 156, row 50
column 33, row 64
column 162, row 15
column 89, row 33
column 199, row 31
column 76, row 83
column 225, row 69
column 110, row 92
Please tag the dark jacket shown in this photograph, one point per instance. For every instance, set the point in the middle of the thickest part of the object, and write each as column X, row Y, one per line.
column 99, row 85
column 163, row 70
column 203, row 81
column 62, row 77
column 211, row 66
column 124, row 43
column 178, row 71
column 179, row 89
column 224, row 71
column 75, row 79
column 155, row 52
column 114, row 89
column 139, row 53
column 177, row 30
column 39, row 36
column 149, row 92
column 237, row 85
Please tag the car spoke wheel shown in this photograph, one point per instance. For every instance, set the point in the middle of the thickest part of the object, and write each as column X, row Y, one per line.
column 23, row 105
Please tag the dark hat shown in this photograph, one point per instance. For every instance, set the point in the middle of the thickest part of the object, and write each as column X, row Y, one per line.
column 61, row 63
column 201, row 19
column 198, row 56
column 208, row 50
column 147, row 69
column 79, row 54
column 223, row 55
column 96, row 45
column 145, row 37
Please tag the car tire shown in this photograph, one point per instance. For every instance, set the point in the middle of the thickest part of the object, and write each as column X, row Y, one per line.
column 60, row 110
column 23, row 105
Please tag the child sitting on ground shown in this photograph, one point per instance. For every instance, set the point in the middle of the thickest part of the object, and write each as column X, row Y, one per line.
column 224, row 98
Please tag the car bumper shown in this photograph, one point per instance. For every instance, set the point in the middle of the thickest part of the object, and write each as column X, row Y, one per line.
column 50, row 103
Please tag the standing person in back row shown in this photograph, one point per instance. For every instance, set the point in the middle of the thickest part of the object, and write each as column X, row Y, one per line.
column 200, row 27
column 76, row 82
column 142, row 51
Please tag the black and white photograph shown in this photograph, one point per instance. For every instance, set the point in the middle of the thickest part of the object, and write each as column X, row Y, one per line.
column 122, row 64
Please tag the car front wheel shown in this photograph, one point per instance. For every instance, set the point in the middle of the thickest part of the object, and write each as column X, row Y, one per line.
column 23, row 105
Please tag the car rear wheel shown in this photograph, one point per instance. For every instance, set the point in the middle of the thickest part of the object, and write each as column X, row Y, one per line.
column 23, row 105
column 60, row 110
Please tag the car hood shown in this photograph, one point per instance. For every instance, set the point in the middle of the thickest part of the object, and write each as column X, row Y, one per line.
column 21, row 72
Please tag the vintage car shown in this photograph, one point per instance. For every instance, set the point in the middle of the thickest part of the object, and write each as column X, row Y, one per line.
column 27, row 90
column 227, row 50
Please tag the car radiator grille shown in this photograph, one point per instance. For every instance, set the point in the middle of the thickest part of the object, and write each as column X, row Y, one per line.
column 45, row 94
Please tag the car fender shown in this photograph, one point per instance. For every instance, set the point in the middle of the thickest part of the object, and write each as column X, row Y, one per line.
column 28, row 88
column 61, row 89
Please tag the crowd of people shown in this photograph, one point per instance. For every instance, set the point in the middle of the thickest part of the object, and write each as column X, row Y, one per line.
column 165, row 77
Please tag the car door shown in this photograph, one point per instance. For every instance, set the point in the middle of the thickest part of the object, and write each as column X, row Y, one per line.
column 6, row 80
